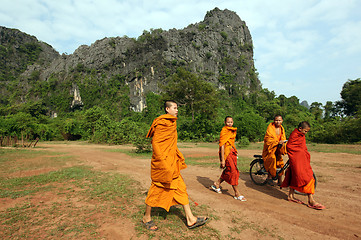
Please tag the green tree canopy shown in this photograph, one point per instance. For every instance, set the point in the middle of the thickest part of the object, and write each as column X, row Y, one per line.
column 351, row 97
column 198, row 96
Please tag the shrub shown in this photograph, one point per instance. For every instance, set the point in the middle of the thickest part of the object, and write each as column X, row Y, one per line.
column 243, row 142
column 224, row 35
column 143, row 144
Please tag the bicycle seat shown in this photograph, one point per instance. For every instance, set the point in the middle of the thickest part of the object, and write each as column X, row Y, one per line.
column 257, row 156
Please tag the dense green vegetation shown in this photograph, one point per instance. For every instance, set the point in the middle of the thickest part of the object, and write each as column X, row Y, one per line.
column 106, row 117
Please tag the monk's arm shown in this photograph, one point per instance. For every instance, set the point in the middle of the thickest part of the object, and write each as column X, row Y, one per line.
column 223, row 162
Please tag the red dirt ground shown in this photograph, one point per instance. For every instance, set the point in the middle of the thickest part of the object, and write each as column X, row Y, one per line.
column 339, row 185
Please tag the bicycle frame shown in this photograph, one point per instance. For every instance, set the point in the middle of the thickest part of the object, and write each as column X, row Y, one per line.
column 261, row 171
column 287, row 164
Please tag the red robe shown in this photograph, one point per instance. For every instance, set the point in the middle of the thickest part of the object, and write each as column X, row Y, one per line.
column 228, row 136
column 299, row 174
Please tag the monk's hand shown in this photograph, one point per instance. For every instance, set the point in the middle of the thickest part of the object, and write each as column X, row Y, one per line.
column 223, row 164
column 281, row 143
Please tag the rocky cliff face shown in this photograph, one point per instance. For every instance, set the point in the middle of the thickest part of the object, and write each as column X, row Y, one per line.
column 220, row 45
column 19, row 50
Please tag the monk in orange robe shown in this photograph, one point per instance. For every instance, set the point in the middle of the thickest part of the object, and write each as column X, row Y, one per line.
column 273, row 149
column 299, row 175
column 228, row 159
column 167, row 187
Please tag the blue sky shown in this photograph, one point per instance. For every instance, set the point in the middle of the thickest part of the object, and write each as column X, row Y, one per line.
column 302, row 48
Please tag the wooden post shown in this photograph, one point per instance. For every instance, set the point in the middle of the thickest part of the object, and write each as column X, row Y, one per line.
column 30, row 143
column 37, row 140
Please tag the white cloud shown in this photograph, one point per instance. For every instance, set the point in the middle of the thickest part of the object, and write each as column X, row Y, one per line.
column 346, row 38
column 315, row 42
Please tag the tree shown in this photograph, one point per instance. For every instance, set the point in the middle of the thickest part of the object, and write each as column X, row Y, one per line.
column 351, row 97
column 329, row 110
column 153, row 108
column 188, row 89
column 316, row 110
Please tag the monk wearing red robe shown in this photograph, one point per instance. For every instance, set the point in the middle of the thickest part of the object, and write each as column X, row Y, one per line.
column 228, row 159
column 167, row 187
column 299, row 175
column 273, row 148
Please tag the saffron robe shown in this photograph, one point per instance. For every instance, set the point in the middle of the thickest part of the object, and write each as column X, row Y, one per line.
column 299, row 175
column 167, row 188
column 227, row 138
column 272, row 154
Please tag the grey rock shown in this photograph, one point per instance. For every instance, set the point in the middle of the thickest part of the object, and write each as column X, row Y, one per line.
column 220, row 44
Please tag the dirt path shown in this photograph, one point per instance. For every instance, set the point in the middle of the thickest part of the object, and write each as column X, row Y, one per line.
column 338, row 189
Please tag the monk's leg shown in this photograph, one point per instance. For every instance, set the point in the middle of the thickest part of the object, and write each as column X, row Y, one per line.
column 191, row 219
column 147, row 216
column 313, row 204
column 236, row 191
column 311, row 201
column 291, row 194
column 279, row 164
column 218, row 183
column 270, row 166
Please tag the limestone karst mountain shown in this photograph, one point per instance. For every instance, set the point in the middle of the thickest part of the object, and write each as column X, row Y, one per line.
column 220, row 45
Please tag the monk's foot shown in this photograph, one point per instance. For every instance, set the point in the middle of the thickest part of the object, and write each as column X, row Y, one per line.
column 295, row 200
column 196, row 222
column 312, row 203
column 270, row 182
column 217, row 185
column 315, row 205
column 214, row 188
column 241, row 198
column 146, row 219
column 150, row 225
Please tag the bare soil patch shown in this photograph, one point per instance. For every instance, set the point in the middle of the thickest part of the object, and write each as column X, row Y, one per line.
column 266, row 215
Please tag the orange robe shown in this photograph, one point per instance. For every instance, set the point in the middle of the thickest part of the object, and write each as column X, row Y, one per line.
column 299, row 175
column 272, row 154
column 167, row 188
column 228, row 136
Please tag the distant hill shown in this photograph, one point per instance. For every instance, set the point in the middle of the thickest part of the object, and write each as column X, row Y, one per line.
column 219, row 48
column 305, row 104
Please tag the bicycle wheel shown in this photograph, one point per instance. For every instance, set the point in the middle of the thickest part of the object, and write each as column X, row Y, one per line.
column 258, row 173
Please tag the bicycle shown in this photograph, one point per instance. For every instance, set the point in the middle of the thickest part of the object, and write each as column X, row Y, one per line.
column 259, row 174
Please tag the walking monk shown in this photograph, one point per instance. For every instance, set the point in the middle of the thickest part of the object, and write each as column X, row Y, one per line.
column 299, row 175
column 167, row 188
column 228, row 159
column 274, row 148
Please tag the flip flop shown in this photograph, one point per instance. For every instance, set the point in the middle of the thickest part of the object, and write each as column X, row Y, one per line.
column 241, row 198
column 270, row 182
column 317, row 206
column 149, row 225
column 200, row 221
column 296, row 201
column 217, row 190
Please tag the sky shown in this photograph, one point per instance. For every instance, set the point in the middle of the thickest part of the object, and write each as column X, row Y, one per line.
column 302, row 48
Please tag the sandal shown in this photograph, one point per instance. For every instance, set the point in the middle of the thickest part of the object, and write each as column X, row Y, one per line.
column 200, row 221
column 270, row 182
column 317, row 206
column 295, row 200
column 150, row 225
column 241, row 198
column 217, row 190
